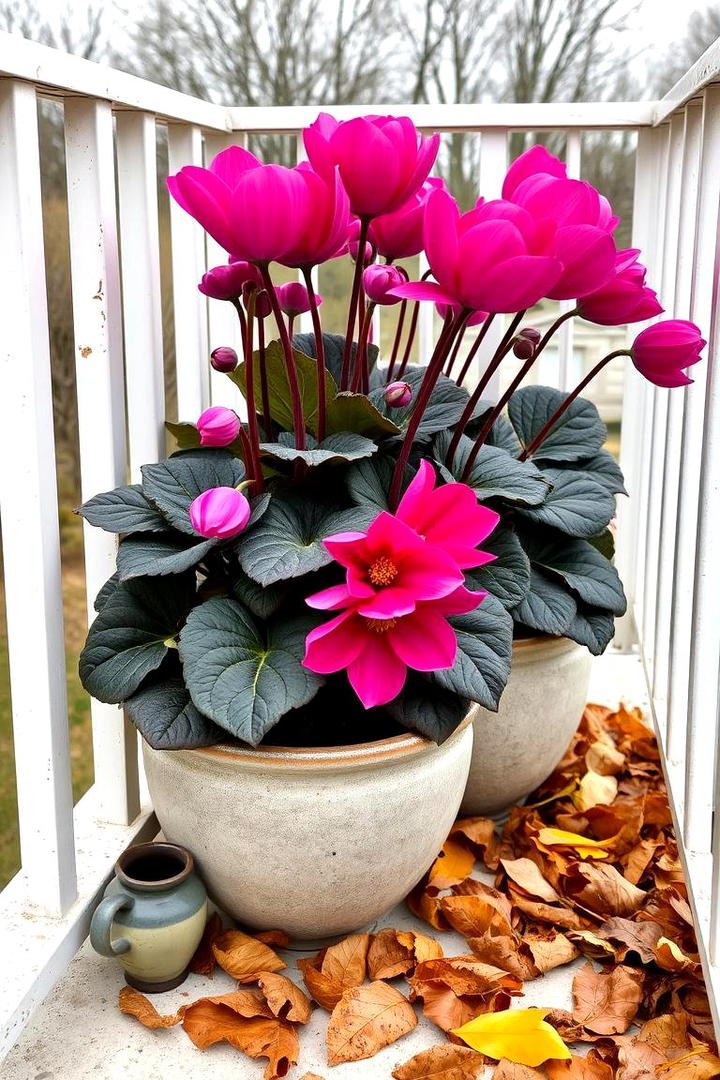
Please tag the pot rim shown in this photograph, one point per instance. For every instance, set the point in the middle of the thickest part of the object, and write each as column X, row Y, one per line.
column 356, row 755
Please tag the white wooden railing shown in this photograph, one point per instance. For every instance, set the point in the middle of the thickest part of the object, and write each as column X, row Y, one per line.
column 668, row 545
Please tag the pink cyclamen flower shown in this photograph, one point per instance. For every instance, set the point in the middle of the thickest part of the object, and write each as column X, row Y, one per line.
column 377, row 652
column 389, row 569
column 449, row 517
column 624, row 298
column 480, row 261
column 220, row 512
column 398, row 395
column 399, row 235
column 475, row 319
column 382, row 160
column 261, row 213
column 663, row 350
column 227, row 282
column 294, row 298
column 218, row 426
column 224, row 358
column 379, row 280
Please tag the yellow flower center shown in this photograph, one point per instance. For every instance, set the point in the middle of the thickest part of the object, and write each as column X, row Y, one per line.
column 380, row 626
column 383, row 571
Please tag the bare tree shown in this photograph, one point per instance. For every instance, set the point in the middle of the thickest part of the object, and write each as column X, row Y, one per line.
column 703, row 28
column 70, row 33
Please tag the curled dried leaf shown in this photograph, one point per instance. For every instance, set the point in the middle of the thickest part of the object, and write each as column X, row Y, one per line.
column 549, row 948
column 479, row 834
column 285, row 1000
column 603, row 757
column 442, row 1062
column 602, row 890
column 511, row 1070
column 528, row 876
column 366, row 1019
column 454, row 863
column 455, row 989
column 521, row 1035
column 632, row 937
column 221, row 1019
column 606, row 1002
column 397, row 952
column 135, row 1004
column 591, row 1067
column 244, row 957
column 333, row 971
column 278, row 938
column 473, row 916
column 203, row 962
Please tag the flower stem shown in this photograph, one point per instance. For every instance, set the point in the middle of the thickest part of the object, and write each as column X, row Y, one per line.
column 474, row 349
column 432, row 373
column 410, row 340
column 547, row 428
column 297, row 407
column 263, row 381
column 502, row 349
column 254, row 435
column 455, row 351
column 361, row 376
column 319, row 353
column 396, row 342
column 354, row 298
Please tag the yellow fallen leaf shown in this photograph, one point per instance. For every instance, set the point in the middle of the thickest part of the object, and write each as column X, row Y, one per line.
column 521, row 1035
column 583, row 845
column 567, row 790
column 669, row 955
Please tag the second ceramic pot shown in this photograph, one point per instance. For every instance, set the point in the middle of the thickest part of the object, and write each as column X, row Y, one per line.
column 316, row 842
column 516, row 748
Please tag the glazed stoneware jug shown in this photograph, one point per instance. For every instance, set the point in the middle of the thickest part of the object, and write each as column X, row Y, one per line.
column 152, row 916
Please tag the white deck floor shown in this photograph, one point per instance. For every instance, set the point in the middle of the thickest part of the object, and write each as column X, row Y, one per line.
column 79, row 1034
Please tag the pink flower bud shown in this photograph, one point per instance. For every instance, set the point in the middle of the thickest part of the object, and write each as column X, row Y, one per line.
column 218, row 426
column 531, row 334
column 227, row 282
column 398, row 394
column 262, row 307
column 523, row 348
column 224, row 358
column 294, row 298
column 663, row 350
column 379, row 280
column 220, row 512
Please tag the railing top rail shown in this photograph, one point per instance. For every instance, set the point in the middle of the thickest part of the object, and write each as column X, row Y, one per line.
column 60, row 74
column 704, row 71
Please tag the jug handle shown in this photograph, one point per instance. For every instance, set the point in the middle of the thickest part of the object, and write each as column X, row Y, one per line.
column 101, row 926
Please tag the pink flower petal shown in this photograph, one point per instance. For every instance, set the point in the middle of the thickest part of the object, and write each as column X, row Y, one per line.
column 377, row 675
column 424, row 641
column 335, row 644
column 424, row 290
column 388, row 603
column 337, row 596
column 459, row 602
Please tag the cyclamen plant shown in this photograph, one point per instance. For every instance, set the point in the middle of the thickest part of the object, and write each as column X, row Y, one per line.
column 359, row 553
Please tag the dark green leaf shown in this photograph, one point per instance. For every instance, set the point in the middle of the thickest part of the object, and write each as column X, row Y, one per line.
column 334, row 345
column 339, row 448
column 579, row 432
column 279, row 396
column 605, row 543
column 443, row 410
column 263, row 600
column 494, row 474
column 428, row 708
column 368, row 482
column 173, row 484
column 502, row 435
column 288, row 542
column 141, row 556
column 124, row 510
column 240, row 675
column 356, row 412
column 589, row 574
column 593, row 628
column 482, row 664
column 106, row 592
column 165, row 716
column 186, row 435
column 577, row 504
column 508, row 577
column 604, row 468
column 548, row 606
column 128, row 638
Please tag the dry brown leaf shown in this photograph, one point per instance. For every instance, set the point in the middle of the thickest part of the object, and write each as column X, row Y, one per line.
column 631, row 936
column 311, row 1076
column 637, row 1060
column 607, row 1002
column 397, row 952
column 442, row 1062
column 668, row 1034
column 333, row 971
column 285, row 1000
column 203, row 962
column 670, row 957
column 699, row 1064
column 366, row 1019
column 473, row 887
column 526, row 874
column 507, row 952
column 278, row 938
column 426, row 907
column 604, row 757
column 568, row 1027
column 590, row 944
column 473, row 916
column 601, row 889
column 591, row 1067
column 554, row 914
column 222, row 1019
column 454, row 863
column 511, row 1070
column 247, row 1004
column 637, row 861
column 595, row 790
column 135, row 1004
column 244, row 957
column 456, row 989
column 479, row 834
column 549, row 948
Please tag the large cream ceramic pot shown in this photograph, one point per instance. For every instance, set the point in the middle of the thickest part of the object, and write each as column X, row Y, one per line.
column 316, row 842
column 516, row 748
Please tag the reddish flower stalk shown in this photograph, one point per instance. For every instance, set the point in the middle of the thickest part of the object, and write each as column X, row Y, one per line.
column 494, row 413
column 264, row 394
column 410, row 340
column 397, row 340
column 501, row 351
column 354, row 299
column 361, row 375
column 455, row 351
column 254, row 465
column 474, row 350
column 297, row 407
column 432, row 373
column 547, row 428
column 319, row 353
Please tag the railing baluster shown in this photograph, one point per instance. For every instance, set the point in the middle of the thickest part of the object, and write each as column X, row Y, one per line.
column 142, row 308
column 223, row 326
column 101, row 411
column 493, row 166
column 566, row 379
column 28, row 502
column 188, row 266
